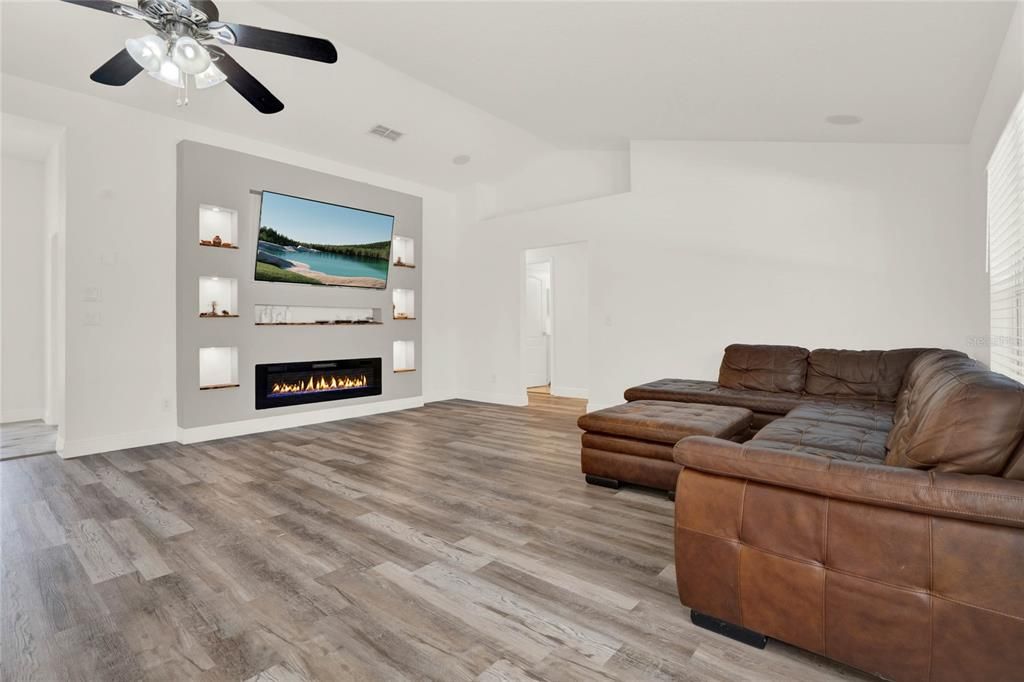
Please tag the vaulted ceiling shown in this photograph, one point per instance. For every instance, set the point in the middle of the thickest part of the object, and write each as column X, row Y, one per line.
column 600, row 73
column 504, row 82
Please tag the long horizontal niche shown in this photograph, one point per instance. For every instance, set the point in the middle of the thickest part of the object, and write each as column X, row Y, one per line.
column 267, row 315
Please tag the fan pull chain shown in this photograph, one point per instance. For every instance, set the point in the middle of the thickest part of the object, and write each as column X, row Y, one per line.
column 183, row 101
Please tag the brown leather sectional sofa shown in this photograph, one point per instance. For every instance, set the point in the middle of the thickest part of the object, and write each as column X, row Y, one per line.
column 876, row 517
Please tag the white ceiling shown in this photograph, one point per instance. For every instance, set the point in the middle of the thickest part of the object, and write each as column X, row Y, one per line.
column 596, row 74
column 505, row 82
column 328, row 107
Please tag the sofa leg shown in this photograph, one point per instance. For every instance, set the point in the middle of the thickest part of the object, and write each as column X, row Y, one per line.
column 671, row 495
column 721, row 627
column 603, row 482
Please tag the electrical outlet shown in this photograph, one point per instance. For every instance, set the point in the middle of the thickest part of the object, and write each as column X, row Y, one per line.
column 92, row 294
column 165, row 404
column 92, row 319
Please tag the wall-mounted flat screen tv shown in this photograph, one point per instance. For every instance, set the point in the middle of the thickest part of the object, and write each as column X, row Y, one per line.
column 302, row 241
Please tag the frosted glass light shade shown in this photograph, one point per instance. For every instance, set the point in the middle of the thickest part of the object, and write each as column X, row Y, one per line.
column 189, row 56
column 147, row 51
column 169, row 73
column 207, row 79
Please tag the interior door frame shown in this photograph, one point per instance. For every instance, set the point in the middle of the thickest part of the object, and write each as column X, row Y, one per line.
column 522, row 316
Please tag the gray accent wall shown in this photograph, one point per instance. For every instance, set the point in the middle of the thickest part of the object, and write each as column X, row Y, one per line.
column 210, row 175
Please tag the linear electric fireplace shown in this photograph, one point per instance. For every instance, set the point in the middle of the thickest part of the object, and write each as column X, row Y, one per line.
column 298, row 383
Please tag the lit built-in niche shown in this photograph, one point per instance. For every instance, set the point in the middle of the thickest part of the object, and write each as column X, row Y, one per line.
column 218, row 367
column 403, row 252
column 218, row 297
column 303, row 315
column 404, row 356
column 218, row 226
column 403, row 304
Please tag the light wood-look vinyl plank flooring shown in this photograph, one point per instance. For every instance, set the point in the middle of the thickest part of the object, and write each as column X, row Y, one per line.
column 457, row 541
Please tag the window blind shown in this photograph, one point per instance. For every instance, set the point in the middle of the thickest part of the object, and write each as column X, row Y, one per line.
column 1006, row 248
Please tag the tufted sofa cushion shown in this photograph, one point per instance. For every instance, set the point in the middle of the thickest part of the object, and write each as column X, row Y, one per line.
column 764, row 368
column 875, row 374
column 856, row 442
column 666, row 422
column 877, row 417
column 956, row 415
column 711, row 393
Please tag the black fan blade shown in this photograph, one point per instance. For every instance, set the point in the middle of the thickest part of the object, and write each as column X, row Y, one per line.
column 304, row 47
column 245, row 84
column 111, row 7
column 118, row 70
column 208, row 8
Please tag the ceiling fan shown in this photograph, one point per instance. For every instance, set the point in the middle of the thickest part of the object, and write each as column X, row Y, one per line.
column 187, row 45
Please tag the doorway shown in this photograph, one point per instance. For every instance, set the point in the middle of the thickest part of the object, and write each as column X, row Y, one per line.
column 555, row 353
column 537, row 330
column 31, row 288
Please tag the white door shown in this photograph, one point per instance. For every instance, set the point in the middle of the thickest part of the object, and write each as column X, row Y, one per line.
column 536, row 339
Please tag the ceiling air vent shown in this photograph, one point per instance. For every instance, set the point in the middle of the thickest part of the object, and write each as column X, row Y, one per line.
column 386, row 133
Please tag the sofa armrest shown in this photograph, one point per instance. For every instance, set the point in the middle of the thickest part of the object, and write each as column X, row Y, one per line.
column 986, row 499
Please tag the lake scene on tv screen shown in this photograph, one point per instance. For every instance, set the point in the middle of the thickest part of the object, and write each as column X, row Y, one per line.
column 303, row 241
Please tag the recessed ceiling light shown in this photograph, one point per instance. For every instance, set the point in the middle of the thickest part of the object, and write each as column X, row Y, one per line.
column 461, row 159
column 843, row 119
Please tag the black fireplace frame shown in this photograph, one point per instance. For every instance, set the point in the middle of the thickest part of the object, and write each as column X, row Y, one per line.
column 263, row 401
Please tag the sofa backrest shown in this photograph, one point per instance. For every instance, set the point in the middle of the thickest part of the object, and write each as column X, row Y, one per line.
column 764, row 368
column 862, row 374
column 955, row 415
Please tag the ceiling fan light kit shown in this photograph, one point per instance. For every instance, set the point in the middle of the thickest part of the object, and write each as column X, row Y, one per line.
column 187, row 46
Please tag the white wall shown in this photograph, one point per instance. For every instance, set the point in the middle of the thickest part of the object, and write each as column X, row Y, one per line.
column 1004, row 91
column 570, row 367
column 23, row 305
column 562, row 177
column 120, row 232
column 859, row 246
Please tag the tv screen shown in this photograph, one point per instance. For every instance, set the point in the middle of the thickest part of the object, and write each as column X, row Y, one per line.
column 303, row 241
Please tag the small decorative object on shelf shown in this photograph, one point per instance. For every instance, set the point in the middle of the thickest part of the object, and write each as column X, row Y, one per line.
column 213, row 307
column 224, row 312
column 217, row 241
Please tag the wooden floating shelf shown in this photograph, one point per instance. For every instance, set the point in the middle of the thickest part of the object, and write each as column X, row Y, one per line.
column 315, row 324
column 403, row 318
column 403, row 371
column 214, row 246
column 210, row 317
column 404, row 265
column 213, row 387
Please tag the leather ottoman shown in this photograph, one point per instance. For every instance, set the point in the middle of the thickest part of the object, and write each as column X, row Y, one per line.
column 632, row 443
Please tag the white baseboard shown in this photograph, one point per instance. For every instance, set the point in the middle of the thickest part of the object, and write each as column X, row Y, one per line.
column 80, row 447
column 25, row 414
column 520, row 400
column 568, row 391
column 199, row 434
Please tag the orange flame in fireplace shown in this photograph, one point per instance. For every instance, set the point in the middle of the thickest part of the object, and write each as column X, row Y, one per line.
column 320, row 383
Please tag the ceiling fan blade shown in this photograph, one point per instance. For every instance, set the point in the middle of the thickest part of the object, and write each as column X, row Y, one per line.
column 208, row 8
column 118, row 70
column 304, row 47
column 245, row 84
column 111, row 7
